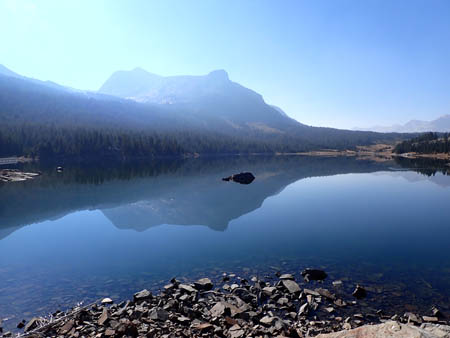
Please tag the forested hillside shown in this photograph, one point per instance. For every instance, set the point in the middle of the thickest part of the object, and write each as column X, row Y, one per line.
column 429, row 143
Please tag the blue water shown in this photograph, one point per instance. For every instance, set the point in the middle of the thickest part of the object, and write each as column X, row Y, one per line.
column 79, row 236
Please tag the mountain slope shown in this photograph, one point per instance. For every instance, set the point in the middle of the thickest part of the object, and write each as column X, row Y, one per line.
column 209, row 96
column 6, row 72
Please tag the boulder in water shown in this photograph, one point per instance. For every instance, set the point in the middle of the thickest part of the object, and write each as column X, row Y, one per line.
column 242, row 178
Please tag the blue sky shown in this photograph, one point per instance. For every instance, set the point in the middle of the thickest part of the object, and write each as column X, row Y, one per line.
column 330, row 63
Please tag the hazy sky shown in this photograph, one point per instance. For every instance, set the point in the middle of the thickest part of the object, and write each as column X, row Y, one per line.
column 330, row 63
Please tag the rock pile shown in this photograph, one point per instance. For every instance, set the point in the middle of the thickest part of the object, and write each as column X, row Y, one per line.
column 245, row 308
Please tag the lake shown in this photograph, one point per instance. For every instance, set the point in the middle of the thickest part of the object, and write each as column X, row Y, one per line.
column 114, row 229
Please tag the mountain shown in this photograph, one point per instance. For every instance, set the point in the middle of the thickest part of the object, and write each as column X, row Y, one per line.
column 136, row 112
column 278, row 109
column 441, row 124
column 217, row 99
column 209, row 96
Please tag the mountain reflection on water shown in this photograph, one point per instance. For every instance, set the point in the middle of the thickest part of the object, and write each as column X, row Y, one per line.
column 182, row 192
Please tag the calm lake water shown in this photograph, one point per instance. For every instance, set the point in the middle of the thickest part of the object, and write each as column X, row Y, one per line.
column 91, row 232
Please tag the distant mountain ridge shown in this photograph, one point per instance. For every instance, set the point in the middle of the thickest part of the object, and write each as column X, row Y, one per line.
column 136, row 113
column 441, row 125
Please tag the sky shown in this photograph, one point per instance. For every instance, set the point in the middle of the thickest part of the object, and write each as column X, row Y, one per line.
column 338, row 63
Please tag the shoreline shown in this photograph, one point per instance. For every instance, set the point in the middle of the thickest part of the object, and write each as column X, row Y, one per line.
column 234, row 307
column 377, row 151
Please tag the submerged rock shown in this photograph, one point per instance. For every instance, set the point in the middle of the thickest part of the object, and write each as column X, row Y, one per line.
column 359, row 292
column 313, row 274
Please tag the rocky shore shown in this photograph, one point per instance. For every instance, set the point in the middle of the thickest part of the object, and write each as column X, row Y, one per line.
column 237, row 308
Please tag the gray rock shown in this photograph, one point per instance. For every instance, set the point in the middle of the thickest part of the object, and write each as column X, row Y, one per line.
column 438, row 330
column 158, row 314
column 430, row 319
column 32, row 324
column 219, row 309
column 187, row 288
column 340, row 303
column 236, row 331
column 282, row 301
column 311, row 292
column 267, row 320
column 291, row 286
column 204, row 284
column 304, row 309
column 287, row 276
column 104, row 317
column 110, row 333
column 412, row 318
column 234, row 286
column 66, row 327
column 389, row 329
column 142, row 295
column 269, row 290
column 183, row 319
column 325, row 293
